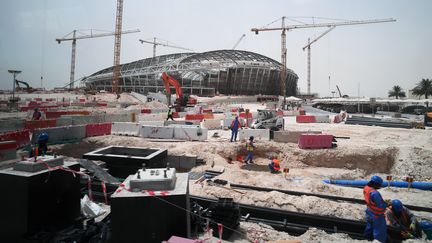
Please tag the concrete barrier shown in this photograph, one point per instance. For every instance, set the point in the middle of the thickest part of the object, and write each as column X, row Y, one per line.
column 8, row 150
column 153, row 117
column 226, row 123
column 126, row 128
column 322, row 119
column 125, row 117
column 169, row 122
column 152, row 123
column 64, row 121
column 291, row 113
column 190, row 133
column 290, row 136
column 61, row 134
column 315, row 141
column 157, row 132
column 21, row 138
column 212, row 124
column 259, row 134
column 7, row 125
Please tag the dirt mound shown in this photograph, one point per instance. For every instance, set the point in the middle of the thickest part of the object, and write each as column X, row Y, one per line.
column 372, row 161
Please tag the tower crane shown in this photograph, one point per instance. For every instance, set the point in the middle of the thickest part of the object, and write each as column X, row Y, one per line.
column 238, row 42
column 155, row 43
column 76, row 37
column 284, row 28
column 117, row 46
column 308, row 46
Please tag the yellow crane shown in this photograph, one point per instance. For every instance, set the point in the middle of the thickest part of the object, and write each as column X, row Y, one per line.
column 155, row 43
column 284, row 28
column 72, row 36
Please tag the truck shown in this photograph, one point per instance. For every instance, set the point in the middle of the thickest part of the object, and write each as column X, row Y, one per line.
column 268, row 119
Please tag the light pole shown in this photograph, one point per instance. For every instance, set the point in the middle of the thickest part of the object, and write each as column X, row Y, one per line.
column 14, row 73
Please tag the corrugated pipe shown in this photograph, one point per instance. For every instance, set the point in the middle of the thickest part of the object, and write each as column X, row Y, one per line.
column 362, row 183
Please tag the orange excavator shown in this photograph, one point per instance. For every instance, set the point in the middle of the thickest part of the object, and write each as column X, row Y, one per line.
column 181, row 100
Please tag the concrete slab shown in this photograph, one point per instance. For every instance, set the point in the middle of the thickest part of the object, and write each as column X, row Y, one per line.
column 38, row 163
column 159, row 179
column 190, row 133
column 157, row 132
column 259, row 134
column 212, row 124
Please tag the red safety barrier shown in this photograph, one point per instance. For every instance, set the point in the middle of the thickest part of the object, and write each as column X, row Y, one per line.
column 315, row 141
column 101, row 104
column 146, row 110
column 57, row 114
column 305, row 119
column 243, row 115
column 208, row 116
column 191, row 117
column 279, row 113
column 207, row 111
column 234, row 109
column 8, row 145
column 32, row 125
column 22, row 138
column 82, row 100
column 38, row 99
column 176, row 115
column 99, row 129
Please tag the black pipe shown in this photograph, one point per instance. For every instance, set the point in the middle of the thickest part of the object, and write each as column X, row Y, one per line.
column 347, row 199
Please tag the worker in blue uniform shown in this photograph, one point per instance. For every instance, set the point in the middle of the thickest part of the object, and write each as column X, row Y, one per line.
column 375, row 221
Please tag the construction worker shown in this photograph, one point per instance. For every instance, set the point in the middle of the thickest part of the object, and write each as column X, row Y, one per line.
column 397, row 215
column 235, row 125
column 42, row 147
column 250, row 148
column 36, row 114
column 170, row 114
column 274, row 165
column 375, row 221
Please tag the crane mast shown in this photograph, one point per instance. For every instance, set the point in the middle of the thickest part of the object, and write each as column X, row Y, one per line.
column 72, row 73
column 117, row 46
column 155, row 43
column 238, row 42
column 285, row 28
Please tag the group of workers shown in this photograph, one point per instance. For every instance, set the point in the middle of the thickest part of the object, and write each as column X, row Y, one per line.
column 380, row 214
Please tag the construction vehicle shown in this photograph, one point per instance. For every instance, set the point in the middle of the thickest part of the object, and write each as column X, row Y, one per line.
column 268, row 119
column 340, row 94
column 181, row 100
column 28, row 89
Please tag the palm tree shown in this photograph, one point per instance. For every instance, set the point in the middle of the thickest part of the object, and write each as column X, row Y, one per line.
column 397, row 92
column 424, row 87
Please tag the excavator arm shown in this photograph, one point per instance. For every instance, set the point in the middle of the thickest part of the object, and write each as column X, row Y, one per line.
column 170, row 80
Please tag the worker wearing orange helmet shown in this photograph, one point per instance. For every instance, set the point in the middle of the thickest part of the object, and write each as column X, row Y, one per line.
column 274, row 165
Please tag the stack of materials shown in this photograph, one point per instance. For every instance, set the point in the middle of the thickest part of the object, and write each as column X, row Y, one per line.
column 369, row 121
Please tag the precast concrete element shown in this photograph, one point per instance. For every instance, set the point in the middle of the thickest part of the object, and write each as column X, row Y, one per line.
column 90, row 119
column 163, row 179
column 157, row 132
column 181, row 162
column 212, row 124
column 290, row 136
column 258, row 134
column 34, row 202
column 125, row 117
column 8, row 150
column 191, row 122
column 152, row 123
column 64, row 121
column 150, row 216
column 7, row 125
column 124, row 161
column 190, row 133
column 291, row 113
column 126, row 128
column 322, row 119
column 61, row 134
column 218, row 116
column 39, row 163
column 153, row 117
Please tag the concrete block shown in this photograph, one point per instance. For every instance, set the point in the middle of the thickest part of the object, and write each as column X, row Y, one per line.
column 322, row 119
column 152, row 123
column 290, row 136
column 42, row 163
column 152, row 117
column 8, row 150
column 190, row 133
column 259, row 134
column 61, row 134
column 157, row 132
column 125, row 117
column 291, row 113
column 219, row 116
column 153, row 179
column 126, row 128
column 181, row 162
column 212, row 124
column 64, row 121
column 7, row 125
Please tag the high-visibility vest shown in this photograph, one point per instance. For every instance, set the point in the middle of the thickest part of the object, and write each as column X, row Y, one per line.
column 367, row 190
column 276, row 164
column 403, row 218
column 170, row 112
column 249, row 147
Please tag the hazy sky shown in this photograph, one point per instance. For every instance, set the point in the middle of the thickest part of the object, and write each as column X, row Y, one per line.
column 376, row 56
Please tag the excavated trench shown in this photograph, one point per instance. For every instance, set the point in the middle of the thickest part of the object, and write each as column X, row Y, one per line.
column 371, row 161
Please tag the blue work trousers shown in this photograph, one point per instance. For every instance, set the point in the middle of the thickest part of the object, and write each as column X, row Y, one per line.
column 249, row 157
column 375, row 227
column 234, row 134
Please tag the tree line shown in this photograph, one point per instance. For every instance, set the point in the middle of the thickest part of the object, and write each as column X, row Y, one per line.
column 424, row 87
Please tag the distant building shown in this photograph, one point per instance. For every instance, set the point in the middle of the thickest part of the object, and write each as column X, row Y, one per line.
column 229, row 72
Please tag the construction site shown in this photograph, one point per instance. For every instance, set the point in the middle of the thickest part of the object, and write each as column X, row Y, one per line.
column 217, row 145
